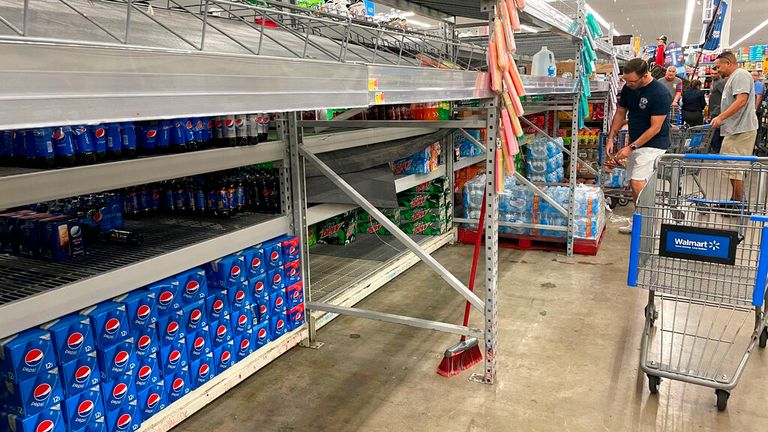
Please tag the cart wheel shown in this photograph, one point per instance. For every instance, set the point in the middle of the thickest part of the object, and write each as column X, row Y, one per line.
column 722, row 399
column 612, row 203
column 764, row 338
column 653, row 384
column 623, row 202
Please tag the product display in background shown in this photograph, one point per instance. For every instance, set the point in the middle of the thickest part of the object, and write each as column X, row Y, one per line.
column 544, row 161
column 423, row 162
column 338, row 230
column 466, row 148
column 121, row 362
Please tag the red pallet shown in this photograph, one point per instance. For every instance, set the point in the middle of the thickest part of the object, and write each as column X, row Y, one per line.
column 523, row 242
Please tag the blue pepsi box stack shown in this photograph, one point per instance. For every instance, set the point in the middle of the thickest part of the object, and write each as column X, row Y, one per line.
column 114, row 365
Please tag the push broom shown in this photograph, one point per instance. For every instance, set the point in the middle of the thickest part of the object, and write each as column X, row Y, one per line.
column 466, row 353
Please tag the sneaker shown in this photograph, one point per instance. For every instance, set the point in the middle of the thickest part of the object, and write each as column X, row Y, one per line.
column 626, row 229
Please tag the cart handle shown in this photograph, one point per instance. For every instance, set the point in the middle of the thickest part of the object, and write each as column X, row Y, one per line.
column 720, row 157
column 634, row 250
column 758, row 218
column 758, row 295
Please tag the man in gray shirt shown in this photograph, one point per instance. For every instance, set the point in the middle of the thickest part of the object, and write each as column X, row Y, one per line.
column 673, row 84
column 715, row 96
column 737, row 120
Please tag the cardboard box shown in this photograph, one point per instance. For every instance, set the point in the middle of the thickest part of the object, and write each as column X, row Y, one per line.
column 566, row 66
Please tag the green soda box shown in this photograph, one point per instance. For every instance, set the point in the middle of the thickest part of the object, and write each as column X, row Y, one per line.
column 426, row 214
column 339, row 230
column 424, row 228
column 312, row 235
column 436, row 186
column 392, row 213
column 371, row 228
column 417, row 200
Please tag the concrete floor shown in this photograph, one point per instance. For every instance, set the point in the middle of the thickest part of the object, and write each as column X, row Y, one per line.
column 569, row 337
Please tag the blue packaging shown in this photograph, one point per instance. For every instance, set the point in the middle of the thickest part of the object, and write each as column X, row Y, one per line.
column 150, row 135
column 173, row 357
column 152, row 400
column 170, row 328
column 109, row 323
column 49, row 420
column 223, row 356
column 292, row 272
column 258, row 288
column 72, row 337
column 177, row 385
column 273, row 254
column 83, row 409
column 80, row 374
column 277, row 303
column 147, row 373
column 243, row 345
column 295, row 317
column 198, row 129
column 217, row 305
column 199, row 344
column 278, row 325
column 99, row 137
column 6, row 146
column 26, row 354
column 117, row 360
column 63, row 142
column 254, row 261
column 275, row 280
column 40, row 144
column 221, row 332
column 147, row 342
column 167, row 295
column 19, row 144
column 242, row 321
column 202, row 370
column 178, row 135
column 261, row 335
column 84, row 144
column 114, row 139
column 128, row 138
column 124, row 419
column 294, row 295
column 239, row 296
column 263, row 309
column 61, row 238
column 120, row 391
column 195, row 317
column 141, row 307
column 193, row 285
column 188, row 130
column 33, row 395
column 97, row 425
column 291, row 248
column 226, row 272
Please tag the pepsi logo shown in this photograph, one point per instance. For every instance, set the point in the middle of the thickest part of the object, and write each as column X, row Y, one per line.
column 295, row 294
column 119, row 391
column 42, row 391
column 121, row 359
column 244, row 345
column 143, row 312
column 199, row 344
column 177, row 124
column 218, row 123
column 228, row 123
column 200, row 124
column 151, row 133
column 225, row 356
column 292, row 250
column 144, row 342
column 274, row 256
column 276, row 279
column 58, row 134
column 299, row 316
column 188, row 124
column 112, row 326
column 239, row 296
column 100, row 132
column 174, row 357
column 241, row 321
column 293, row 271
column 124, row 421
column 75, row 231
column 85, row 408
column 209, row 124
column 280, row 324
column 144, row 373
column 255, row 263
column 235, row 272
column 262, row 334
column 172, row 328
column 239, row 121
column 218, row 306
column 192, row 287
column 166, row 297
column 278, row 302
column 153, row 400
column 82, row 374
column 45, row 426
column 203, row 371
column 178, row 384
column 262, row 309
column 221, row 331
column 33, row 357
column 259, row 287
column 195, row 317
column 75, row 340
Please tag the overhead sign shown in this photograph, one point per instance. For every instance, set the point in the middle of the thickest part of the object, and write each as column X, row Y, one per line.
column 622, row 40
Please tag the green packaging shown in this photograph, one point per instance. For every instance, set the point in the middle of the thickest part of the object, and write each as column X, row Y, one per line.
column 426, row 214
column 339, row 230
column 311, row 235
column 392, row 213
column 436, row 186
column 417, row 200
column 371, row 228
column 424, row 228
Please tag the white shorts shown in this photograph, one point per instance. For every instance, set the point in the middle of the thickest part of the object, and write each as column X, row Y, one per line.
column 642, row 162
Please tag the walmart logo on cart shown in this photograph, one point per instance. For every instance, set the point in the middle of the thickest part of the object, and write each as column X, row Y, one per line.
column 697, row 245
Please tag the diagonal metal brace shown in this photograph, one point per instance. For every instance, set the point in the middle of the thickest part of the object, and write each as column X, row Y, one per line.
column 472, row 139
column 562, row 147
column 393, row 229
column 396, row 319
column 519, row 177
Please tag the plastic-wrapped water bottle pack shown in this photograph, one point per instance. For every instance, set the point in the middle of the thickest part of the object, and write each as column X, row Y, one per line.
column 617, row 178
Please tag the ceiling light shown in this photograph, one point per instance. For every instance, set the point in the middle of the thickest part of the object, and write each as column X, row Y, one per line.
column 689, row 7
column 751, row 32
column 418, row 23
column 601, row 20
column 529, row 29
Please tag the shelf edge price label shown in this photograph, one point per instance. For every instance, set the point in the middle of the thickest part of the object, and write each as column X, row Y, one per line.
column 378, row 98
column 373, row 84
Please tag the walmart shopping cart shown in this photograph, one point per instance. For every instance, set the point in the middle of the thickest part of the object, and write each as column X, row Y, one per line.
column 705, row 268
column 690, row 139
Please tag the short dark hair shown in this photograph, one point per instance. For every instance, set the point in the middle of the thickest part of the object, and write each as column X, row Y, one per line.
column 637, row 66
column 695, row 84
column 727, row 55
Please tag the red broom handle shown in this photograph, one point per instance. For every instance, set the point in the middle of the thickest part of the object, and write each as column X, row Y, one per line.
column 475, row 257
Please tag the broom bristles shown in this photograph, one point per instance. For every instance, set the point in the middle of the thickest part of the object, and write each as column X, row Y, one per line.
column 455, row 362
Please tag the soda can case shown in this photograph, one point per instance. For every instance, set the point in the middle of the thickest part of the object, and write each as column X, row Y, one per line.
column 291, row 249
column 147, row 372
column 278, row 325
column 223, row 356
column 239, row 296
column 80, row 374
column 273, row 254
column 83, row 409
column 49, row 420
column 221, row 332
column 193, row 285
column 292, row 272
column 275, row 280
column 277, row 303
column 119, row 392
column 227, row 272
column 170, row 328
column 195, row 317
column 262, row 308
column 243, row 345
column 26, row 354
column 124, row 419
column 295, row 317
column 242, row 321
column 33, row 395
column 117, row 360
column 217, row 305
column 258, row 288
column 109, row 322
column 202, row 370
column 152, row 400
column 294, row 295
column 174, row 357
column 199, row 344
column 167, row 296
column 97, row 425
column 177, row 385
column 141, row 307
column 254, row 261
column 71, row 336
column 261, row 335
column 147, row 342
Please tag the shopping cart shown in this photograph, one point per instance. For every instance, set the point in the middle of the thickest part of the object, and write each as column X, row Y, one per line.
column 705, row 271
column 675, row 117
column 690, row 139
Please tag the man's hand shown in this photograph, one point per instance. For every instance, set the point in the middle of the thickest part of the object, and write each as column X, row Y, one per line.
column 716, row 122
column 624, row 153
column 609, row 144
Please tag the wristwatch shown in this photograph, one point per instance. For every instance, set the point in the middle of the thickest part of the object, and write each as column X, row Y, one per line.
column 633, row 147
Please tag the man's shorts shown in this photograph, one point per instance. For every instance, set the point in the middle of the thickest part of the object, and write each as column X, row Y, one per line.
column 742, row 144
column 642, row 162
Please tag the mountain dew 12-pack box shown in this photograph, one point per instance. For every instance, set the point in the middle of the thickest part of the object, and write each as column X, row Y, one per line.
column 339, row 230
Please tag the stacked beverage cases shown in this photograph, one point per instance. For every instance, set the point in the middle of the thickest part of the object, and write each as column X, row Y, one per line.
column 114, row 365
column 544, row 161
column 66, row 146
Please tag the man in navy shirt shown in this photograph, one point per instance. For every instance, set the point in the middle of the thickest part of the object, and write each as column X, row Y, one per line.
column 647, row 102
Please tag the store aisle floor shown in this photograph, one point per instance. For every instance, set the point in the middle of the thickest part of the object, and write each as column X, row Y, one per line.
column 569, row 337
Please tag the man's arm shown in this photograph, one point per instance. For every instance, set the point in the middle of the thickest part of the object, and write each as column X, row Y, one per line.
column 740, row 102
column 758, row 101
column 678, row 93
column 618, row 122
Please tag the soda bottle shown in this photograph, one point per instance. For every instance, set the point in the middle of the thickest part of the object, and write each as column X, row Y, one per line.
column 114, row 141
column 263, row 127
column 6, row 148
column 179, row 136
column 252, row 125
column 189, row 134
column 63, row 146
column 131, row 202
column 156, row 200
column 84, row 147
column 132, row 238
column 200, row 200
column 164, row 136
column 207, row 131
column 241, row 130
column 145, row 200
column 229, row 135
column 128, row 139
column 168, row 200
column 40, row 147
column 198, row 130
column 179, row 197
column 240, row 195
column 191, row 199
column 99, row 138
column 218, row 132
column 231, row 198
column 222, row 201
column 19, row 147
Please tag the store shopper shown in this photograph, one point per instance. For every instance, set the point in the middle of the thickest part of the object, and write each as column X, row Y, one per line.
column 694, row 103
column 759, row 89
column 715, row 99
column 737, row 121
column 660, row 51
column 647, row 101
column 673, row 84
